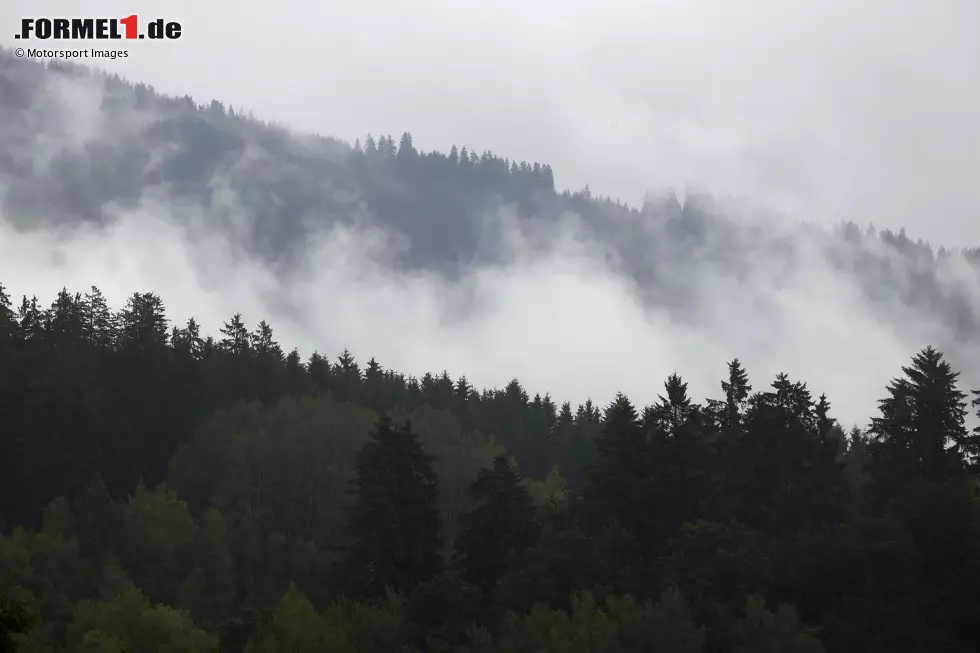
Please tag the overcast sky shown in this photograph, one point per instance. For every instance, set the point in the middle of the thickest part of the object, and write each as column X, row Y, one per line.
column 827, row 109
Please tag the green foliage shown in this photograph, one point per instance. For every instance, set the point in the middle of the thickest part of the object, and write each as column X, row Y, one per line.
column 379, row 625
column 158, row 534
column 618, row 475
column 666, row 626
column 762, row 631
column 208, row 591
column 282, row 469
column 15, row 619
column 497, row 532
column 549, row 492
column 293, row 518
column 296, row 626
column 394, row 522
column 131, row 623
column 458, row 456
column 920, row 433
column 621, row 626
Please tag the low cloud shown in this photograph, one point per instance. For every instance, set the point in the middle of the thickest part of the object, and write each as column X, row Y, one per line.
column 562, row 320
column 555, row 307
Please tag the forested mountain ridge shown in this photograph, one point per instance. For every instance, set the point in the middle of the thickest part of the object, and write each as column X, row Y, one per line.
column 163, row 489
column 82, row 146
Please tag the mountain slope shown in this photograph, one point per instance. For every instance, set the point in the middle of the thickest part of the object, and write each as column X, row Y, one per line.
column 80, row 146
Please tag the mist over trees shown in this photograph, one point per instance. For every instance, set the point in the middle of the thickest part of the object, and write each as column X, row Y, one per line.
column 273, row 188
column 163, row 488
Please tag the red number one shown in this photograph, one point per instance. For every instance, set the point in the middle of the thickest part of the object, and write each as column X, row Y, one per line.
column 130, row 23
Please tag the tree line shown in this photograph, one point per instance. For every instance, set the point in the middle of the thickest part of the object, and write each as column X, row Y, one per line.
column 167, row 490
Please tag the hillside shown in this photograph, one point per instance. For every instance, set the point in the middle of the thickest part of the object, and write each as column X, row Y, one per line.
column 170, row 485
column 79, row 146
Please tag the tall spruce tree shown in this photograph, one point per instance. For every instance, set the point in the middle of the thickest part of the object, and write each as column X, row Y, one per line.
column 498, row 531
column 737, row 389
column 617, row 479
column 921, row 432
column 394, row 522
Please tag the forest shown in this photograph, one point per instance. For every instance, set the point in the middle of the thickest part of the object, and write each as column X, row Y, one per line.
column 167, row 489
column 164, row 490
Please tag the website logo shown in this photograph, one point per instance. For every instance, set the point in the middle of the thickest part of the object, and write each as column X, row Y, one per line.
column 129, row 27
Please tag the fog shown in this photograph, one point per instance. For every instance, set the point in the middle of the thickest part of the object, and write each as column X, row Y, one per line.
column 822, row 110
column 561, row 321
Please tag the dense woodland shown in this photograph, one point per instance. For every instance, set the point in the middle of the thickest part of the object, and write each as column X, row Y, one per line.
column 165, row 489
column 168, row 491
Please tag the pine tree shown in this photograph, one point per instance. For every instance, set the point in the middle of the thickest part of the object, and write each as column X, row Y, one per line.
column 394, row 522
column 921, row 432
column 8, row 322
column 298, row 382
column 268, row 364
column 406, row 151
column 618, row 476
column 262, row 342
column 737, row 390
column 824, row 421
column 319, row 371
column 32, row 319
column 100, row 323
column 237, row 340
column 65, row 318
column 673, row 410
column 497, row 532
column 374, row 388
column 143, row 322
column 347, row 377
column 548, row 178
column 466, row 404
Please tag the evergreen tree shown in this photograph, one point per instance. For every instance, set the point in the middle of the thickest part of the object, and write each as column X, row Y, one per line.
column 143, row 322
column 394, row 522
column 406, row 151
column 8, row 322
column 617, row 479
column 99, row 322
column 672, row 413
column 347, row 377
column 736, row 389
column 319, row 370
column 237, row 340
column 921, row 432
column 374, row 386
column 499, row 529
